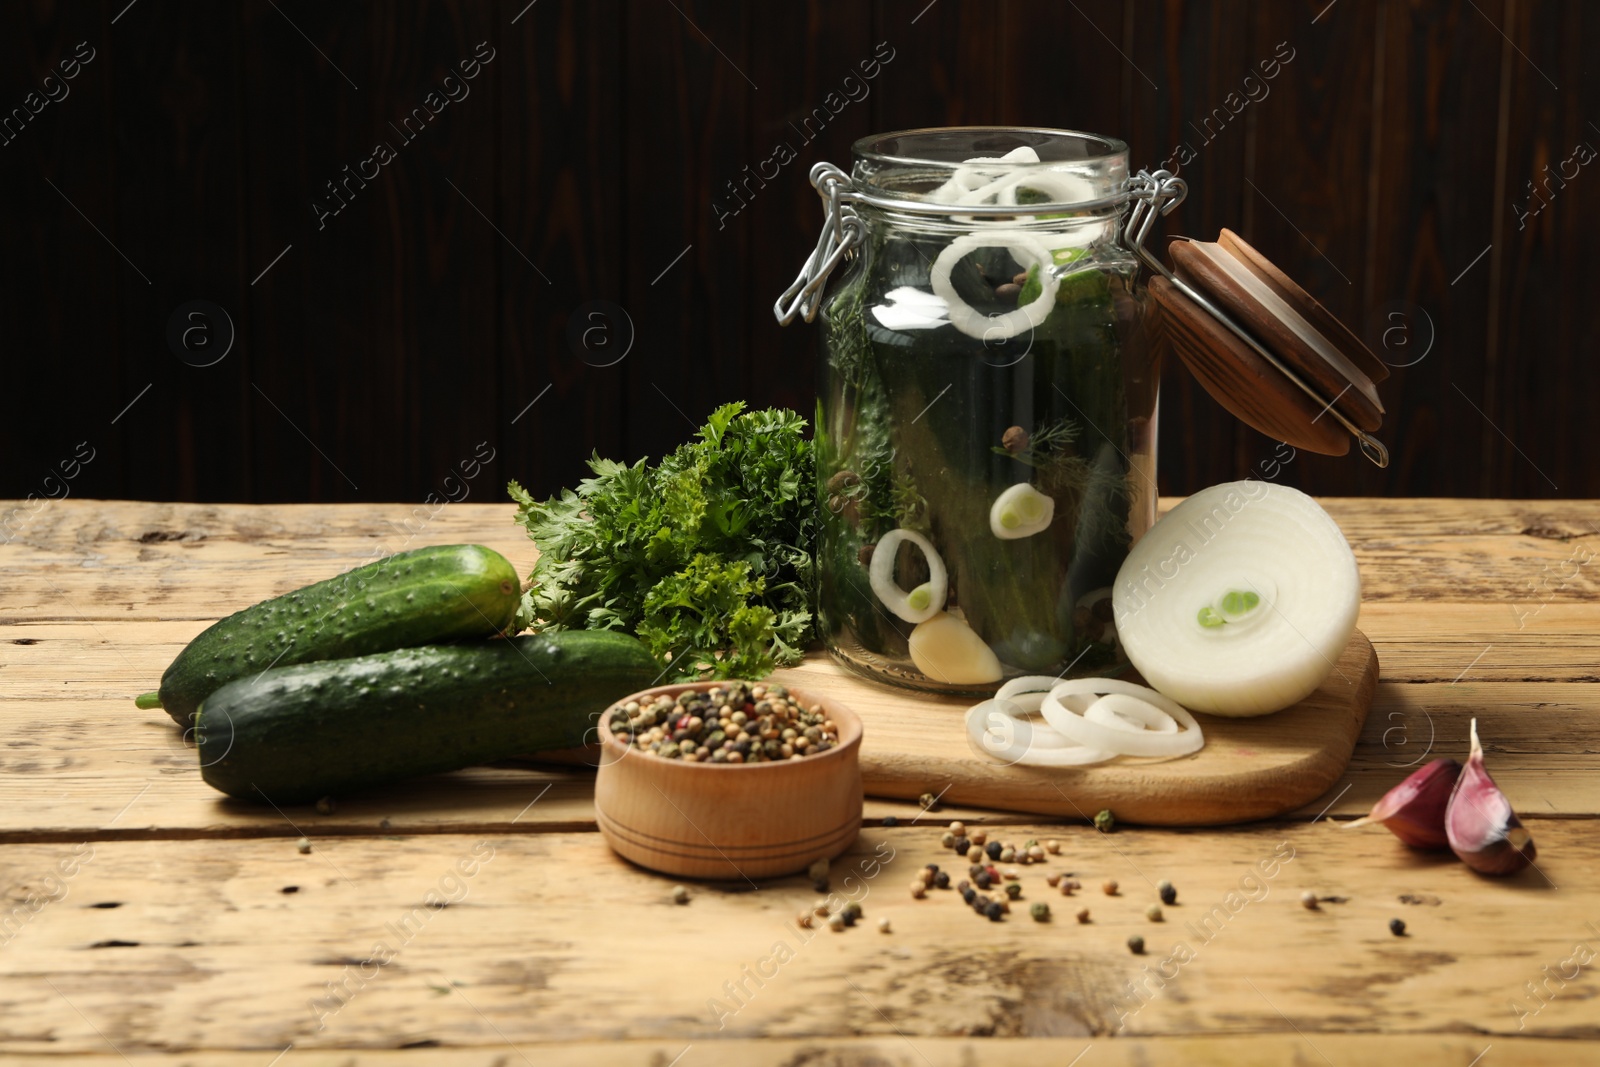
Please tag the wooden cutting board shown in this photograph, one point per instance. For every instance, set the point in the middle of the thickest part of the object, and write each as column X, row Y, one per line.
column 916, row 743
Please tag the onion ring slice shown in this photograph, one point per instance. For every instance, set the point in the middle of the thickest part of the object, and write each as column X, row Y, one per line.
column 1028, row 704
column 1120, row 739
column 881, row 576
column 1122, row 712
column 1029, row 744
column 1027, row 249
column 1028, row 683
column 1030, row 689
column 1007, row 722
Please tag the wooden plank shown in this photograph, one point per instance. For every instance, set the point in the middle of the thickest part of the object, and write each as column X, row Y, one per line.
column 559, row 183
column 815, row 59
column 945, row 65
column 1433, row 210
column 1537, row 431
column 205, row 949
column 1558, row 644
column 1253, row 768
column 102, row 524
column 310, row 120
column 1536, row 742
column 360, row 184
column 88, row 560
column 207, row 579
column 1036, row 87
column 79, row 751
column 1307, row 193
column 179, row 185
column 117, row 773
column 152, row 551
column 1224, row 1050
column 1192, row 122
column 64, row 282
column 687, row 289
column 111, row 662
column 98, row 601
column 1422, row 176
column 432, row 265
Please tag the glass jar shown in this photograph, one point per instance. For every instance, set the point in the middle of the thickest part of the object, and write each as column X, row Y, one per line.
column 987, row 405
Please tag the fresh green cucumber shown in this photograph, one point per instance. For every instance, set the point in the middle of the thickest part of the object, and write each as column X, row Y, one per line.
column 322, row 729
column 424, row 596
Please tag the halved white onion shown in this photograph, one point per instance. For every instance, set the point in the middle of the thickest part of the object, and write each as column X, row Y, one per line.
column 1021, row 511
column 947, row 650
column 1120, row 738
column 1240, row 600
column 1000, row 730
column 897, row 600
column 1028, row 250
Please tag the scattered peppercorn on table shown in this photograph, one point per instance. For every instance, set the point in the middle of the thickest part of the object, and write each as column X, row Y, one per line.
column 478, row 918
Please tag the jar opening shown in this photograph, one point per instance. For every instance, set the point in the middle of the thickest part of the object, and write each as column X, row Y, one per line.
column 1062, row 168
column 957, row 144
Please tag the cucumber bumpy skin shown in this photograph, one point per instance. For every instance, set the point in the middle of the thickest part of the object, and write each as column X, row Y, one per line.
column 424, row 596
column 324, row 729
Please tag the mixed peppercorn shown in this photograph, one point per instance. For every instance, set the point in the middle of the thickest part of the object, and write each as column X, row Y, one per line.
column 836, row 919
column 738, row 723
column 1005, row 881
column 984, row 875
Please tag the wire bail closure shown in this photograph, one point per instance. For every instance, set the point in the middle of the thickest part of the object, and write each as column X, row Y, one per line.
column 1155, row 195
column 842, row 230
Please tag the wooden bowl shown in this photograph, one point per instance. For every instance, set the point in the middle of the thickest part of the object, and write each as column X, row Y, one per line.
column 730, row 821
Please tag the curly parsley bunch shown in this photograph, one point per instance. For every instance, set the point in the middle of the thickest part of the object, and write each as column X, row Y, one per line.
column 706, row 556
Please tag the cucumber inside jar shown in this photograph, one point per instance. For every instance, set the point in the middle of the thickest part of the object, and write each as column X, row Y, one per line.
column 988, row 408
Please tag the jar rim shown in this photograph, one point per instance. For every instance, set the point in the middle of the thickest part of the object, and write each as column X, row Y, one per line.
column 866, row 148
column 899, row 170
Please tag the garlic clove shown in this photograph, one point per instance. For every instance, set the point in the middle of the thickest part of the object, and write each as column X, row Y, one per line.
column 1414, row 810
column 947, row 650
column 1482, row 829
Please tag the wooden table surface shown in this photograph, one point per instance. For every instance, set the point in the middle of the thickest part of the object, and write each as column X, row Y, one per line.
column 479, row 919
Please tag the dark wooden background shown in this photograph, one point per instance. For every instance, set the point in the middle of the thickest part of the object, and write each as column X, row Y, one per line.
column 380, row 354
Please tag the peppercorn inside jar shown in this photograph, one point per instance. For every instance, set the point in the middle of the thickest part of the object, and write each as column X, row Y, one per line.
column 986, row 422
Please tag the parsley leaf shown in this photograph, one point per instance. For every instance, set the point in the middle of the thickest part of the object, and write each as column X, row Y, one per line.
column 706, row 556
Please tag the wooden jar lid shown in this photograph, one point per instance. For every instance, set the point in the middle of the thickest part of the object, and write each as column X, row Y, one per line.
column 1289, row 323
